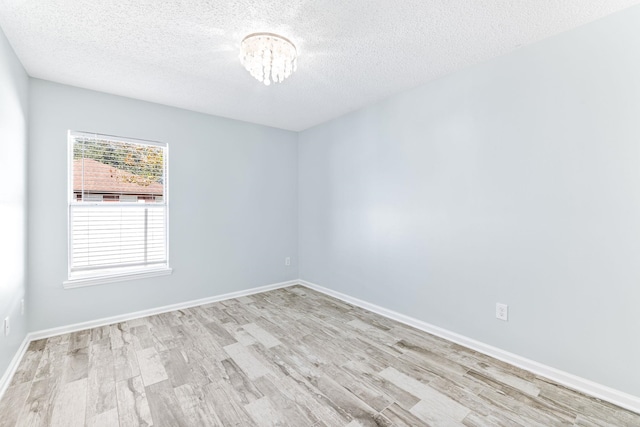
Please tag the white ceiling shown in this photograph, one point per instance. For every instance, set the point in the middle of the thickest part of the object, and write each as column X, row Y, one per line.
column 351, row 52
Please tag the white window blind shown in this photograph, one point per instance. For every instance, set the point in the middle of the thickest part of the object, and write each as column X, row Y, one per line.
column 118, row 206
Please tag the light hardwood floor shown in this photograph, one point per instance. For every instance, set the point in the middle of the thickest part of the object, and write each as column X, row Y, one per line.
column 286, row 357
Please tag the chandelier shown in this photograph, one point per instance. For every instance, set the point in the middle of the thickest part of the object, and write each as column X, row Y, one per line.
column 268, row 57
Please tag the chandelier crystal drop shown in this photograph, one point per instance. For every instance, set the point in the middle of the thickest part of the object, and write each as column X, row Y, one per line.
column 268, row 57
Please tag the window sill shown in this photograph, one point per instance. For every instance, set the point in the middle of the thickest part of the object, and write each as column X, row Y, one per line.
column 82, row 281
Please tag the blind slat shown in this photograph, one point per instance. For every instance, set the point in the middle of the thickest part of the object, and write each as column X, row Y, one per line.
column 106, row 237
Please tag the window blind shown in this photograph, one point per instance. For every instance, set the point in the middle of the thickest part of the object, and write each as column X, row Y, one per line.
column 117, row 205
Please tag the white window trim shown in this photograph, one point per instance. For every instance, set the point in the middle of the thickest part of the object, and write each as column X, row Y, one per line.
column 81, row 282
column 101, row 277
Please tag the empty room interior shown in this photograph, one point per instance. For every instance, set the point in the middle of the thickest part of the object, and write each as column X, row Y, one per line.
column 355, row 213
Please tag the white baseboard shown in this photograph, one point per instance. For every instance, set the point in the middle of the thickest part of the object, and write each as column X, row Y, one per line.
column 46, row 333
column 13, row 366
column 566, row 379
column 32, row 336
column 583, row 385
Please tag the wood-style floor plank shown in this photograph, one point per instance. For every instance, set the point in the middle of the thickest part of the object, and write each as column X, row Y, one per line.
column 164, row 405
column 105, row 419
column 228, row 409
column 133, row 407
column 70, row 407
column 246, row 360
column 151, row 367
column 38, row 407
column 11, row 406
column 29, row 365
column 289, row 357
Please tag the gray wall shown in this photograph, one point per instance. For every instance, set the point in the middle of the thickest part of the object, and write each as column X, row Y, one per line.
column 233, row 203
column 14, row 95
column 516, row 181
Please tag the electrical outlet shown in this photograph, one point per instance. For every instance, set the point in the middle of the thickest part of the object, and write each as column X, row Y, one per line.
column 22, row 306
column 502, row 311
column 7, row 328
column 287, row 261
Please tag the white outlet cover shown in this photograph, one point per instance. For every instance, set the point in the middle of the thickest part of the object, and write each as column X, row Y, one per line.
column 7, row 328
column 502, row 311
column 287, row 261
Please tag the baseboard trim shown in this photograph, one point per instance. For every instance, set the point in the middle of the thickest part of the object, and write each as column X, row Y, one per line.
column 13, row 366
column 566, row 379
column 47, row 333
column 580, row 384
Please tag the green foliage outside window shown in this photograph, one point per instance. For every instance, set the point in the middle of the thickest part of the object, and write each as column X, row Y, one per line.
column 144, row 163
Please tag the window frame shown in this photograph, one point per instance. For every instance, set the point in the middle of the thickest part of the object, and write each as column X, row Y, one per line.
column 99, row 276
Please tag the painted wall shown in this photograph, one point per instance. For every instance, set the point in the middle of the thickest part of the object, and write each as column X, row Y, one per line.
column 515, row 181
column 14, row 96
column 233, row 203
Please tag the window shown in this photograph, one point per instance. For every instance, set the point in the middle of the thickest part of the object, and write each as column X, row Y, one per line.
column 118, row 209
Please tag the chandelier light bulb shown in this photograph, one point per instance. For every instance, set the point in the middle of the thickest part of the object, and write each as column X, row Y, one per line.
column 268, row 57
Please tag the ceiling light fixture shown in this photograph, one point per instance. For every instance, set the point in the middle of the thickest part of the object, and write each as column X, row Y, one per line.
column 268, row 57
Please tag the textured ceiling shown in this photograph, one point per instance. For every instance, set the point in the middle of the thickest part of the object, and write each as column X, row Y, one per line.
column 351, row 52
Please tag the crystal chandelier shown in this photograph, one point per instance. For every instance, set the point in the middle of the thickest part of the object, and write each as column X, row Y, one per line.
column 268, row 57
